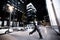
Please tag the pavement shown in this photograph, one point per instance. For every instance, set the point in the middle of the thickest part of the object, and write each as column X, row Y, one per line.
column 47, row 33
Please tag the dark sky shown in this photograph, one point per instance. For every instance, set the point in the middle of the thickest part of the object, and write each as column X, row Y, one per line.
column 40, row 5
column 3, row 13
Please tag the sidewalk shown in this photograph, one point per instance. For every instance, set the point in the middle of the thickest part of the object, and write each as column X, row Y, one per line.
column 47, row 33
column 7, row 37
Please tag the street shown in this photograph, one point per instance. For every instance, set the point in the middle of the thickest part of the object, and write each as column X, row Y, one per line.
column 47, row 33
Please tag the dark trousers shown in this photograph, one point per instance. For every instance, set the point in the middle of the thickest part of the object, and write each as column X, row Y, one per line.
column 36, row 29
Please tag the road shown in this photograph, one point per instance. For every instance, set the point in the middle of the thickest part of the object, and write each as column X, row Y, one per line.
column 47, row 33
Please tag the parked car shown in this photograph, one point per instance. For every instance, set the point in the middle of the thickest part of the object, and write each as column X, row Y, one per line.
column 18, row 28
column 5, row 31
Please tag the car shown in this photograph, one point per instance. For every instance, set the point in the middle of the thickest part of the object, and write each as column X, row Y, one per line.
column 5, row 31
column 30, row 26
column 18, row 28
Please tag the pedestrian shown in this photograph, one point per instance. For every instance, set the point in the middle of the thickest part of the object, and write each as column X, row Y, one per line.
column 36, row 29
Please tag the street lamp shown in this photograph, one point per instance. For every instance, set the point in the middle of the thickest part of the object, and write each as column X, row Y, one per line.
column 10, row 10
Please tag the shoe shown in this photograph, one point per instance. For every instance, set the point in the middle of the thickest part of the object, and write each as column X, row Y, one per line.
column 40, row 37
column 29, row 33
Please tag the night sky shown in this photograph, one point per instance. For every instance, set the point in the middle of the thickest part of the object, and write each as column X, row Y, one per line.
column 40, row 5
